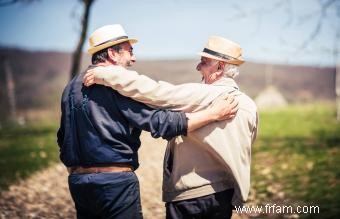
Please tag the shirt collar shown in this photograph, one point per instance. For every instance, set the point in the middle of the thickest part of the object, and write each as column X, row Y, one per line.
column 224, row 81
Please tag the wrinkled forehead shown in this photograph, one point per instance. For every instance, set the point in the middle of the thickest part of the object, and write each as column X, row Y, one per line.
column 126, row 45
column 207, row 60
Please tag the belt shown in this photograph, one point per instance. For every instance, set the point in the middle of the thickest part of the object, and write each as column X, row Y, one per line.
column 106, row 169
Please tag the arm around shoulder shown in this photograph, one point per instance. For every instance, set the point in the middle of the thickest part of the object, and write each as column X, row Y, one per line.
column 185, row 97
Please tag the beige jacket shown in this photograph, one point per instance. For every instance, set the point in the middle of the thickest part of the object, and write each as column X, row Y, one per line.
column 209, row 160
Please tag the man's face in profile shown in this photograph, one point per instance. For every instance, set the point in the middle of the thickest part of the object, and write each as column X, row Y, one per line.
column 126, row 56
column 207, row 67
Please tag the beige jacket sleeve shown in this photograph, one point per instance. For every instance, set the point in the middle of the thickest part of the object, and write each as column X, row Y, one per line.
column 189, row 97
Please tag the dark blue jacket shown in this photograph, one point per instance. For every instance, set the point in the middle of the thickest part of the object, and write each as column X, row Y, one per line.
column 100, row 127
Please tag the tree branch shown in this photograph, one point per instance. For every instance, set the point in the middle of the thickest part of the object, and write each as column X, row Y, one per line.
column 323, row 13
column 7, row 3
column 12, row 2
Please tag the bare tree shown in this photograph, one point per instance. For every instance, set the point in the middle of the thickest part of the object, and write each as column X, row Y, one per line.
column 76, row 58
column 260, row 11
column 10, row 88
column 321, row 15
column 325, row 6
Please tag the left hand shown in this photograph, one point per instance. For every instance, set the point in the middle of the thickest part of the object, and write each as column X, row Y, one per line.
column 224, row 107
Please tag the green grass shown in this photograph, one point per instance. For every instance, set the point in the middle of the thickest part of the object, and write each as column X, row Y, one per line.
column 296, row 159
column 24, row 150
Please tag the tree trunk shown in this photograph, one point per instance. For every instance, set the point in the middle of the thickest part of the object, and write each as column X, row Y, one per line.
column 10, row 85
column 76, row 58
column 337, row 90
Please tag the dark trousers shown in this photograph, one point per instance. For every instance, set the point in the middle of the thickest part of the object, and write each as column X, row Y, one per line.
column 106, row 195
column 214, row 206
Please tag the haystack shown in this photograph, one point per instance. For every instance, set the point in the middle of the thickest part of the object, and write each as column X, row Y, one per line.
column 270, row 98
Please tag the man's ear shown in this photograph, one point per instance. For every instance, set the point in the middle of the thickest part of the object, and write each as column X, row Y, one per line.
column 112, row 54
column 220, row 68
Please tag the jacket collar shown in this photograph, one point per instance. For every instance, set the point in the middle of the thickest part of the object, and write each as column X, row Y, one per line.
column 224, row 81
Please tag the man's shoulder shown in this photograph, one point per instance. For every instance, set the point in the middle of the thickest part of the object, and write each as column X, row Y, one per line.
column 247, row 103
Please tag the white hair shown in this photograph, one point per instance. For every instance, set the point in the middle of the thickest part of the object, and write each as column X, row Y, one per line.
column 231, row 70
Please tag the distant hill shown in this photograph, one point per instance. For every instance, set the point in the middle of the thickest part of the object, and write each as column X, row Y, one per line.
column 40, row 77
column 296, row 83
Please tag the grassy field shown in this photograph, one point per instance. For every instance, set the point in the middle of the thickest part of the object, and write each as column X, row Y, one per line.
column 24, row 150
column 295, row 161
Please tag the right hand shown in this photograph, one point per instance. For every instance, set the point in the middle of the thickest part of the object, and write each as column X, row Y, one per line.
column 224, row 108
column 89, row 78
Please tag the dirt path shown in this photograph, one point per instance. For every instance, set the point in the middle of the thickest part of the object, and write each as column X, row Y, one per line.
column 45, row 194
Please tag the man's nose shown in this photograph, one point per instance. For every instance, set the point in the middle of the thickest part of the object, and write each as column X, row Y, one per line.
column 198, row 67
column 133, row 58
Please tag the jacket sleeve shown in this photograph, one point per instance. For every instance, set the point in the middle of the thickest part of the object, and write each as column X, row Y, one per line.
column 159, row 122
column 189, row 97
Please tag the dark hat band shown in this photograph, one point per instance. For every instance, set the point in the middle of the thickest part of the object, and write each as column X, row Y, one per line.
column 220, row 55
column 114, row 39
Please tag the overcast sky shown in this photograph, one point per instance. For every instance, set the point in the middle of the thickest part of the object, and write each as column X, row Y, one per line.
column 173, row 29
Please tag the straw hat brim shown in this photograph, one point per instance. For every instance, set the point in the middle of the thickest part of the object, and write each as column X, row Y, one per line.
column 95, row 49
column 234, row 61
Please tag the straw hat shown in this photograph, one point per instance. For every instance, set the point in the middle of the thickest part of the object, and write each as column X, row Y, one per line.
column 107, row 36
column 222, row 49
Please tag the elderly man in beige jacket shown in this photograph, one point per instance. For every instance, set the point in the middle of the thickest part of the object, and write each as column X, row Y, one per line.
column 208, row 171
